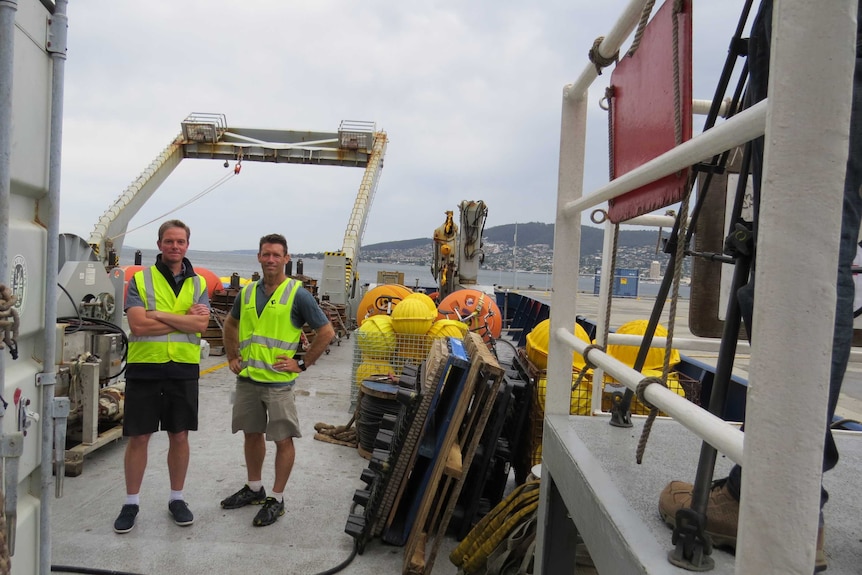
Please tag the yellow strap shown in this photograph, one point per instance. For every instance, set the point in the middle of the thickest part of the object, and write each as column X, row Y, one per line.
column 520, row 501
column 478, row 559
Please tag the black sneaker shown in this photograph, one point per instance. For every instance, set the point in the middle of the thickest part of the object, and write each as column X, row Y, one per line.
column 126, row 520
column 271, row 511
column 181, row 513
column 243, row 497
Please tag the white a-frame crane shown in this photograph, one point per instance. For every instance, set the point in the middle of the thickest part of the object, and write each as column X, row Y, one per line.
column 207, row 136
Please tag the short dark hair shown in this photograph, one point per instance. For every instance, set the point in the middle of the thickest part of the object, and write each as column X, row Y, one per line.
column 272, row 239
column 174, row 224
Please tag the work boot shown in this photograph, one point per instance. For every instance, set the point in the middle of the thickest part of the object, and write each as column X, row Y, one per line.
column 722, row 510
column 820, row 564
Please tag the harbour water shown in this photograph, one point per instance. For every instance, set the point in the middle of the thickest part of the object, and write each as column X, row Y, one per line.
column 225, row 263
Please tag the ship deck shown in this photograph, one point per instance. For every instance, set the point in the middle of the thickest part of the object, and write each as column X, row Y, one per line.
column 310, row 538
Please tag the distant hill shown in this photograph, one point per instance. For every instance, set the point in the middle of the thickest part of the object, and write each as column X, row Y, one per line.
column 533, row 233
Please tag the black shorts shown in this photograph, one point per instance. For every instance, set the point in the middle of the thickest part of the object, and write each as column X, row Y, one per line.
column 167, row 404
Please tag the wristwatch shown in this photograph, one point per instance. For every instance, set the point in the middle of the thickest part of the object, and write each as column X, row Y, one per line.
column 301, row 364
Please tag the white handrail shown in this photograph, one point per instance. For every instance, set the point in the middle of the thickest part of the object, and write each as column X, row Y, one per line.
column 717, row 432
column 805, row 123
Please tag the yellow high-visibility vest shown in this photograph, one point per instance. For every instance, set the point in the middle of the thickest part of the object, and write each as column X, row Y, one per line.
column 157, row 294
column 262, row 338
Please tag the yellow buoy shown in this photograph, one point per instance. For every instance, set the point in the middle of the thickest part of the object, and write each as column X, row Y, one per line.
column 412, row 316
column 537, row 345
column 370, row 368
column 629, row 353
column 376, row 337
column 424, row 298
column 448, row 328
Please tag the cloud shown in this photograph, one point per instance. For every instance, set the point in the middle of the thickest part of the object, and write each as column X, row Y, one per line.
column 468, row 92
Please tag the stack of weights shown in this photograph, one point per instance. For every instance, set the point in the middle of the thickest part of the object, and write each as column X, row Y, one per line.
column 376, row 400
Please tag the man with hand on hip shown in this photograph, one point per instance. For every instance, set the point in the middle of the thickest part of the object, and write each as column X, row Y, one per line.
column 262, row 336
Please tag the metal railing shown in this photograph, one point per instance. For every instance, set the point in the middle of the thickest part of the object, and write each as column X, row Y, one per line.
column 806, row 129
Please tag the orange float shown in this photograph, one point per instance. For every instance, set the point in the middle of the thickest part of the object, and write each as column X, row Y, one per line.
column 381, row 299
column 213, row 281
column 129, row 272
column 475, row 308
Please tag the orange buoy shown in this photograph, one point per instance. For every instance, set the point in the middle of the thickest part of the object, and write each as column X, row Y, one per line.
column 214, row 283
column 381, row 299
column 129, row 271
column 475, row 308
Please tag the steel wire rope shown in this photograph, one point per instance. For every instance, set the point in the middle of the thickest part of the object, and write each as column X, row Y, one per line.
column 193, row 199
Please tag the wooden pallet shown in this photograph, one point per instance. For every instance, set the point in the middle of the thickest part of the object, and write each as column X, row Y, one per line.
column 443, row 401
column 74, row 456
column 387, row 445
column 402, row 460
column 454, row 457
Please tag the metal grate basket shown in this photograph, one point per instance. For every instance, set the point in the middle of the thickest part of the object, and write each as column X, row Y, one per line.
column 382, row 354
column 582, row 395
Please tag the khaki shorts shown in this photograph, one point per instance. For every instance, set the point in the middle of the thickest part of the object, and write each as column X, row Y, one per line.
column 264, row 409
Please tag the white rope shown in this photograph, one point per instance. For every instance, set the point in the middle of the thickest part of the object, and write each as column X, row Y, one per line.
column 195, row 198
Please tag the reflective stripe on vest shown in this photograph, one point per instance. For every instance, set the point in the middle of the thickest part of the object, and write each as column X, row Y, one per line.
column 263, row 338
column 157, row 294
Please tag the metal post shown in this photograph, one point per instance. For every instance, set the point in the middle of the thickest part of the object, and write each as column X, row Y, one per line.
column 567, row 240
column 8, row 9
column 56, row 47
column 800, row 213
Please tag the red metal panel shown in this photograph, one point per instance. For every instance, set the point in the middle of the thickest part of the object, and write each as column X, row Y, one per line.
column 643, row 111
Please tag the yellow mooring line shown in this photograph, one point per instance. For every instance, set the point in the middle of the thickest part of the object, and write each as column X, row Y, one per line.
column 213, row 368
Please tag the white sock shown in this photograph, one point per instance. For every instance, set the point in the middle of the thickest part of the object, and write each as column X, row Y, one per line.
column 133, row 499
column 278, row 496
column 176, row 495
column 255, row 485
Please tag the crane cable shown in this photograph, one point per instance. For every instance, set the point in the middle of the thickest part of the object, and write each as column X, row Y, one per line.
column 193, row 199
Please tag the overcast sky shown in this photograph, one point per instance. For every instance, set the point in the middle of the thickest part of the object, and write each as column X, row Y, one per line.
column 469, row 93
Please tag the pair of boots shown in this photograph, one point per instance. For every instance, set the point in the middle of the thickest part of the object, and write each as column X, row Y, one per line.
column 722, row 515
